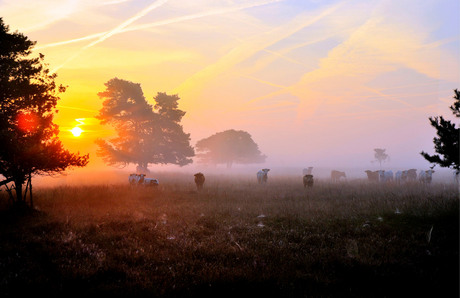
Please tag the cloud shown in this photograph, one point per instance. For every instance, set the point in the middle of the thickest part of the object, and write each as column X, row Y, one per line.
column 375, row 48
column 248, row 48
column 211, row 12
column 30, row 16
column 115, row 30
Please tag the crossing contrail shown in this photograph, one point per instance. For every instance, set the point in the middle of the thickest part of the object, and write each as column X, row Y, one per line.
column 161, row 23
column 116, row 30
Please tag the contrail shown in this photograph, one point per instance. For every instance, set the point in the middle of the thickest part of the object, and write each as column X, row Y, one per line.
column 253, row 46
column 203, row 14
column 264, row 82
column 162, row 23
column 116, row 30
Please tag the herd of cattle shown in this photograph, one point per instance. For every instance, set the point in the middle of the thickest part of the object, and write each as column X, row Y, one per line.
column 382, row 176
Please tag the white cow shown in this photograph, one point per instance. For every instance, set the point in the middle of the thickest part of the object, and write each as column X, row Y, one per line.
column 262, row 175
column 425, row 177
column 133, row 179
column 151, row 182
column 336, row 175
column 307, row 171
column 385, row 176
column 139, row 179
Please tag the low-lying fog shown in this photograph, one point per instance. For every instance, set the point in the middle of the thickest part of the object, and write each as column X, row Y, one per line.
column 109, row 175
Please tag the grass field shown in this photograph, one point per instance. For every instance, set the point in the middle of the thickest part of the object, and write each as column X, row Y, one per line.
column 350, row 239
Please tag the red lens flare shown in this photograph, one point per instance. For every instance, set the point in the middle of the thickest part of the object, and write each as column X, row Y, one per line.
column 27, row 122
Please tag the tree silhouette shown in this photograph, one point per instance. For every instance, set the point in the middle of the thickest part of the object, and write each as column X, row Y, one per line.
column 143, row 135
column 28, row 137
column 228, row 147
column 446, row 144
column 380, row 155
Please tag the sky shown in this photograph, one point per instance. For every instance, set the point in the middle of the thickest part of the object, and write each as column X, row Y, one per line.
column 315, row 83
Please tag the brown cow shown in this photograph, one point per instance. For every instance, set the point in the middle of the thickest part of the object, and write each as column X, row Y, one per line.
column 308, row 181
column 410, row 175
column 199, row 180
column 372, row 175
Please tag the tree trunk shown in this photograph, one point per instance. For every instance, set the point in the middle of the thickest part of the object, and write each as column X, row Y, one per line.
column 30, row 191
column 18, row 188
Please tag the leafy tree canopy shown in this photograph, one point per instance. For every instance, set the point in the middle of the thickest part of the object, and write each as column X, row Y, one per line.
column 446, row 144
column 145, row 134
column 28, row 98
column 228, row 147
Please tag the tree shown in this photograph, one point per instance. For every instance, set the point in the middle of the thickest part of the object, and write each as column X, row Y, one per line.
column 143, row 135
column 228, row 147
column 28, row 137
column 446, row 144
column 170, row 144
column 380, row 156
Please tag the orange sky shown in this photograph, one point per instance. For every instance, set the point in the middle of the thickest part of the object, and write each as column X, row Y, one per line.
column 317, row 83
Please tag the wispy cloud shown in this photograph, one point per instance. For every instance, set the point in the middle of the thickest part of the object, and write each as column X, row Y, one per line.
column 375, row 48
column 116, row 30
column 250, row 47
column 211, row 12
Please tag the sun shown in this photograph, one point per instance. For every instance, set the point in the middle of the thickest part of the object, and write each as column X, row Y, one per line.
column 76, row 131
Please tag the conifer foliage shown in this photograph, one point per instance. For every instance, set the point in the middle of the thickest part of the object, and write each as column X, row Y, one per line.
column 446, row 144
column 28, row 137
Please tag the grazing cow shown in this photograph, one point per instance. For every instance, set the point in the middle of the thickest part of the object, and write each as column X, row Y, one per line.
column 308, row 181
column 385, row 176
column 307, row 171
column 336, row 175
column 262, row 175
column 373, row 176
column 199, row 180
column 411, row 175
column 425, row 177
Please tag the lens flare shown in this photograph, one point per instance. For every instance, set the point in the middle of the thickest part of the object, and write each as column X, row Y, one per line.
column 27, row 122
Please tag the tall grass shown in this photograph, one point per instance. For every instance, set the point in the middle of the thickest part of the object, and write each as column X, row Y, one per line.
column 235, row 237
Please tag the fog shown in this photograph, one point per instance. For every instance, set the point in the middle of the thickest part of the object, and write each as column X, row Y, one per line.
column 173, row 174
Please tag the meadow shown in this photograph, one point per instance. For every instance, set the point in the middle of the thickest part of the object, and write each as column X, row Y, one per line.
column 235, row 237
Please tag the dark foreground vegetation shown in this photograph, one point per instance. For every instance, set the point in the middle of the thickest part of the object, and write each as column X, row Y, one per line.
column 235, row 237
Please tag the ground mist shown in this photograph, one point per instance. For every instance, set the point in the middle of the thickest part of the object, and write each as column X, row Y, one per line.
column 348, row 239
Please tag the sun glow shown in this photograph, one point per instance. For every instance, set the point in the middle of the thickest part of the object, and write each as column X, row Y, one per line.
column 76, row 131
